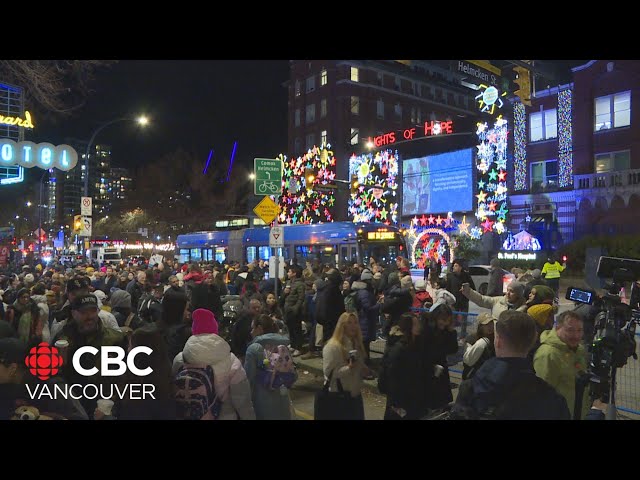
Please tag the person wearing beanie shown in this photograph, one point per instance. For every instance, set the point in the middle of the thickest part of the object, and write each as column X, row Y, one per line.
column 512, row 300
column 422, row 299
column 29, row 279
column 230, row 380
column 121, row 309
column 540, row 294
column 542, row 313
column 535, row 281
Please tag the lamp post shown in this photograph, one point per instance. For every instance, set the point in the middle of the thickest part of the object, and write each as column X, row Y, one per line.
column 40, row 216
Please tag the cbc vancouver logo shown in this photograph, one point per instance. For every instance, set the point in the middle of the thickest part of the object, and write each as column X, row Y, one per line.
column 44, row 361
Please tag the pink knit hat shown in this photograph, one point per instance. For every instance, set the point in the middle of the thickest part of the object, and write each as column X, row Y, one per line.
column 203, row 321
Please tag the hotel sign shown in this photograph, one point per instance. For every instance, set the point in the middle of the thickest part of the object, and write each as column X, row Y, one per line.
column 42, row 155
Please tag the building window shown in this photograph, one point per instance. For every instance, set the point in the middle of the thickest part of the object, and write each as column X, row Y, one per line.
column 613, row 162
column 543, row 125
column 380, row 79
column 354, row 136
column 323, row 108
column 613, row 111
column 544, row 176
column 398, row 110
column 310, row 141
column 397, row 83
column 297, row 88
column 297, row 146
column 310, row 84
column 413, row 115
column 380, row 108
column 355, row 105
column 355, row 74
column 419, row 117
column 323, row 77
column 323, row 137
column 310, row 115
column 296, row 117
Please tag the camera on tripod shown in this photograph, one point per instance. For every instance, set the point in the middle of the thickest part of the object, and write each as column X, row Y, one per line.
column 615, row 324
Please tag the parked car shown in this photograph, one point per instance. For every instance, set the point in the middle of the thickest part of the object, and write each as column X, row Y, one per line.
column 139, row 260
column 480, row 276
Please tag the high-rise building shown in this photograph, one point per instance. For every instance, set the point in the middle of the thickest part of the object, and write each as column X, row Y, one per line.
column 348, row 103
column 120, row 184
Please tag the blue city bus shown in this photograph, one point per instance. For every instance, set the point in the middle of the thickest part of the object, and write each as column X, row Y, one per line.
column 336, row 243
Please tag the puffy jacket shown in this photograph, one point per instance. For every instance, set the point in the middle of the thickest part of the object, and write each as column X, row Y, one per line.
column 368, row 310
column 293, row 303
column 560, row 366
column 230, row 379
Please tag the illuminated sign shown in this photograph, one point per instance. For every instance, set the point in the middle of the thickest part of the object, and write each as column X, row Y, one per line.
column 526, row 256
column 489, row 98
column 26, row 123
column 381, row 235
column 431, row 128
column 42, row 155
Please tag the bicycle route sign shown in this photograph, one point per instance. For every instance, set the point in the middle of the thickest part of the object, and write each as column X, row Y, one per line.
column 268, row 176
column 267, row 210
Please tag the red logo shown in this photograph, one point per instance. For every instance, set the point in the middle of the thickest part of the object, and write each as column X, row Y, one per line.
column 43, row 361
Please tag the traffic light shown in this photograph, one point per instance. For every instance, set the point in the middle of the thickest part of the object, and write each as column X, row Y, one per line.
column 523, row 80
column 354, row 184
column 77, row 224
column 309, row 176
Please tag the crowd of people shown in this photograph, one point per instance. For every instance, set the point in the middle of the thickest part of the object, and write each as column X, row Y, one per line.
column 320, row 311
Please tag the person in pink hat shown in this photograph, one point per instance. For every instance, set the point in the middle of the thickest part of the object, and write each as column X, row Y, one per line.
column 206, row 347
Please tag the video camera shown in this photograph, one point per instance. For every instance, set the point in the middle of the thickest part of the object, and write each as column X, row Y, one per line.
column 615, row 324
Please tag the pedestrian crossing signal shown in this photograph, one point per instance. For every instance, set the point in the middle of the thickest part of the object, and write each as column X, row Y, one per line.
column 77, row 224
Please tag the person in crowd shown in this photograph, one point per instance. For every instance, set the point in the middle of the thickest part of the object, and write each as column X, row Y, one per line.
column 162, row 406
column 329, row 303
column 536, row 279
column 440, row 293
column 175, row 322
column 403, row 373
column 551, row 271
column 368, row 310
column 241, row 329
column 250, row 290
column 540, row 294
column 512, row 300
column 205, row 347
column 396, row 301
column 422, row 299
column 16, row 383
column 108, row 281
column 268, row 403
column 25, row 317
column 316, row 337
column 272, row 309
column 218, row 282
column 439, row 340
column 38, row 295
column 480, row 346
column 86, row 329
column 206, row 295
column 454, row 281
column 293, row 298
column 506, row 387
column 496, row 274
column 561, row 360
column 343, row 359
column 121, row 310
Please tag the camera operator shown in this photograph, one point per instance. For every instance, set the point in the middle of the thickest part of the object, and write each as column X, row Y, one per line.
column 561, row 359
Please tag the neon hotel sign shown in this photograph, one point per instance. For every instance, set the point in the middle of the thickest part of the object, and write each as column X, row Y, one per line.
column 42, row 155
column 431, row 128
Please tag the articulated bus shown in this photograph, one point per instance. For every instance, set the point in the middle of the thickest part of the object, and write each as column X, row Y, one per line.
column 337, row 243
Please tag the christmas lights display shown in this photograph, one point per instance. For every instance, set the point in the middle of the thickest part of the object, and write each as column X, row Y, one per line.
column 491, row 162
column 430, row 242
column 377, row 198
column 565, row 154
column 520, row 147
column 304, row 202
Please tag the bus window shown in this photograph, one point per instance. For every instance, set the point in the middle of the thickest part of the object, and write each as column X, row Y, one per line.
column 251, row 254
column 185, row 255
column 196, row 255
column 265, row 253
column 383, row 252
column 344, row 256
column 302, row 251
column 354, row 254
column 220, row 254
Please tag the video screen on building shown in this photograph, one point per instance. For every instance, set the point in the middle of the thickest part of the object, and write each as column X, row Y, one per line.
column 438, row 183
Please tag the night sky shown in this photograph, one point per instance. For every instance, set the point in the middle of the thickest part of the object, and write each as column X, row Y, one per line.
column 195, row 105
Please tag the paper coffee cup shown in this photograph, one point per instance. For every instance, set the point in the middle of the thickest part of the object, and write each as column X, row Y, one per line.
column 62, row 344
column 105, row 406
column 437, row 370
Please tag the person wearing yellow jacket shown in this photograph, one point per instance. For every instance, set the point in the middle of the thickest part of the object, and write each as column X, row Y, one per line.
column 561, row 358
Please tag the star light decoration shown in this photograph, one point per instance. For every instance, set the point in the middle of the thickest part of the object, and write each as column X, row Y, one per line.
column 565, row 154
column 307, row 203
column 520, row 147
column 491, row 162
column 377, row 196
column 419, row 228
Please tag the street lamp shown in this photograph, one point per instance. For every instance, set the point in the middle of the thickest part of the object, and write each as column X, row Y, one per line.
column 141, row 120
column 29, row 204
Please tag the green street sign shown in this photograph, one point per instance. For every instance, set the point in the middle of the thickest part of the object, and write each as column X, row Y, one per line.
column 268, row 176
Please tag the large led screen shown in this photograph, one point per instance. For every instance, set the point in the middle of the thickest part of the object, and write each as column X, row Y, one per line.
column 438, row 183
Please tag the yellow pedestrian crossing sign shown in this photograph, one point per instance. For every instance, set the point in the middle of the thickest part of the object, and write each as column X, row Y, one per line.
column 267, row 210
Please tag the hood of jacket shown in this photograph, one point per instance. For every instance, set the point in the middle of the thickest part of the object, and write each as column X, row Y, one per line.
column 271, row 338
column 120, row 299
column 550, row 337
column 497, row 374
column 358, row 285
column 197, row 277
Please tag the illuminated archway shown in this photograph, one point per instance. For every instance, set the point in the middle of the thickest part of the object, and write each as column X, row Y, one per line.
column 418, row 254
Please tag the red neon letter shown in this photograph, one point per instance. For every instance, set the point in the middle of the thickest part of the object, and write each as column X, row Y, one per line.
column 408, row 133
column 392, row 137
column 428, row 128
column 377, row 141
column 447, row 127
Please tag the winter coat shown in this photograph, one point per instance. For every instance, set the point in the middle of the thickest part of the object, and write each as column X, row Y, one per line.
column 396, row 302
column 26, row 320
column 230, row 379
column 477, row 351
column 294, row 302
column 368, row 310
column 269, row 404
column 135, row 289
column 454, row 284
column 107, row 283
column 334, row 359
column 495, row 286
column 207, row 297
column 107, row 319
column 421, row 297
column 329, row 305
column 402, row 376
column 494, row 385
column 41, row 301
column 496, row 304
column 560, row 366
column 437, row 344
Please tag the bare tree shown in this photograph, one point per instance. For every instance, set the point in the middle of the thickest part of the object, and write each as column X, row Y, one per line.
column 57, row 86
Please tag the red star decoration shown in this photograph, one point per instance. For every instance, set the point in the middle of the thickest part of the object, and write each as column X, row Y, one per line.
column 421, row 264
column 431, row 219
column 423, row 220
column 377, row 213
column 487, row 224
column 293, row 164
column 439, row 220
column 492, row 206
column 384, row 169
column 315, row 163
column 502, row 176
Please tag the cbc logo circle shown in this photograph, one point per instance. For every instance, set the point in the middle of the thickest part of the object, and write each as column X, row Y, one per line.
column 43, row 361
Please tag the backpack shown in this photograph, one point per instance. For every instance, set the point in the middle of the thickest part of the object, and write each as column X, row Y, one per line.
column 277, row 369
column 351, row 302
column 196, row 398
column 126, row 327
